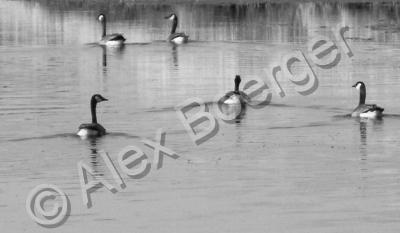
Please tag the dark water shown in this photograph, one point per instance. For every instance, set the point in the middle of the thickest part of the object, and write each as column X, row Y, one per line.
column 296, row 165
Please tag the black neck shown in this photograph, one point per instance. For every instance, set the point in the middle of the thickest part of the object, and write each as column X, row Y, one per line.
column 363, row 93
column 237, row 83
column 103, row 22
column 93, row 104
column 174, row 25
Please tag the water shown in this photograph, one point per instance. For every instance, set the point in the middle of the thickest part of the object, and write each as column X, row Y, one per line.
column 296, row 165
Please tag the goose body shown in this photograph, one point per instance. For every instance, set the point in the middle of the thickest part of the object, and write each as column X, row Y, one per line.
column 365, row 110
column 115, row 39
column 176, row 37
column 93, row 129
column 236, row 96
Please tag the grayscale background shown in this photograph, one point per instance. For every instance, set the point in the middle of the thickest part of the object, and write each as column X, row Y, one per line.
column 297, row 165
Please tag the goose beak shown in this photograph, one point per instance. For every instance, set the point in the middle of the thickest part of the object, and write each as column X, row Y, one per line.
column 354, row 85
column 167, row 17
column 105, row 99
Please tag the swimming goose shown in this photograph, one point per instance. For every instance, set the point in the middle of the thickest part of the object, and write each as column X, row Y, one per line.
column 236, row 96
column 176, row 37
column 93, row 129
column 365, row 110
column 114, row 39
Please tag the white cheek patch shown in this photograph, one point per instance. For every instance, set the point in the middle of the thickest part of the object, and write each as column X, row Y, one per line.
column 101, row 17
column 172, row 17
column 358, row 86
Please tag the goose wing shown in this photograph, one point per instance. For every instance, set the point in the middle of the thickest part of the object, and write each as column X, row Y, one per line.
column 178, row 34
column 371, row 108
column 364, row 108
column 114, row 36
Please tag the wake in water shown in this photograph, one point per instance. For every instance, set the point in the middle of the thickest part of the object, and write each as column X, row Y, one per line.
column 310, row 125
column 346, row 116
column 96, row 44
column 71, row 135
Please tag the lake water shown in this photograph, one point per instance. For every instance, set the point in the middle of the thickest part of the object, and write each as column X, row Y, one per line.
column 296, row 165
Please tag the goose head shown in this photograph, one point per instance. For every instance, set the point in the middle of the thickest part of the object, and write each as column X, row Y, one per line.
column 171, row 16
column 97, row 98
column 101, row 17
column 359, row 85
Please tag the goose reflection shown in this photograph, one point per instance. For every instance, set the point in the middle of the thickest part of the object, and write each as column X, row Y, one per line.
column 175, row 56
column 116, row 51
column 376, row 126
column 94, row 158
column 364, row 166
column 363, row 139
column 363, row 149
column 104, row 49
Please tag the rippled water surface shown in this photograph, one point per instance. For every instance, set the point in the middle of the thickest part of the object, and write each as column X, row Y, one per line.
column 296, row 165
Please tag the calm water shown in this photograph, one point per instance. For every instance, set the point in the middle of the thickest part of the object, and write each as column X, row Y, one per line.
column 296, row 165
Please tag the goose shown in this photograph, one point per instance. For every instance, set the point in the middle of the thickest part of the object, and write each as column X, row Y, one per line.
column 114, row 39
column 176, row 37
column 236, row 96
column 365, row 110
column 93, row 129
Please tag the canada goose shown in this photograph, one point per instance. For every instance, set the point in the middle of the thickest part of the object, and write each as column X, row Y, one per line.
column 114, row 39
column 93, row 129
column 236, row 96
column 176, row 37
column 365, row 110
